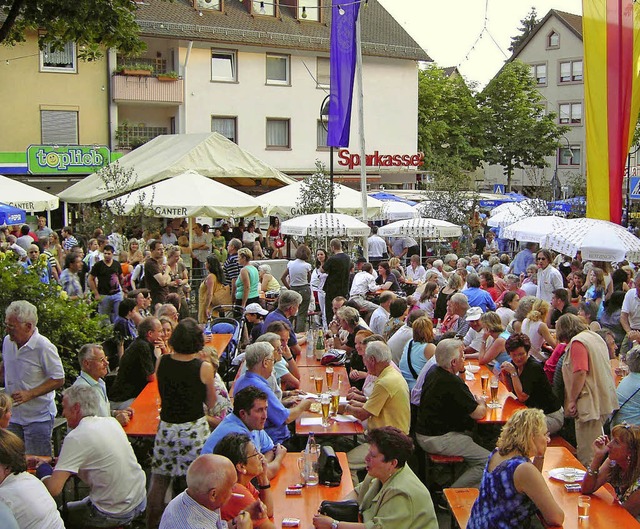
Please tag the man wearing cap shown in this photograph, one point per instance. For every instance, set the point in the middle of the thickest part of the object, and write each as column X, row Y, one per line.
column 254, row 315
column 473, row 339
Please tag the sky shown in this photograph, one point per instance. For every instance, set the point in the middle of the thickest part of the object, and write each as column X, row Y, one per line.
column 448, row 30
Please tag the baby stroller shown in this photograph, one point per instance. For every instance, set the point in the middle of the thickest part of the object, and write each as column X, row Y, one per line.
column 232, row 324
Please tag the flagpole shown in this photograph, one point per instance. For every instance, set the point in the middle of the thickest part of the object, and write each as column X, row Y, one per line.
column 363, row 158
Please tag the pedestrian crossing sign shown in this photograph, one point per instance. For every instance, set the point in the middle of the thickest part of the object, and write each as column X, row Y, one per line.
column 635, row 188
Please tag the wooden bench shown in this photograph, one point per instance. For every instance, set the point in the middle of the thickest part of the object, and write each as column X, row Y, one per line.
column 557, row 440
column 444, row 461
column 460, row 502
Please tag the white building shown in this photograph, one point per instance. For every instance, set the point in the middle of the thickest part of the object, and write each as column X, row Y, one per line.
column 554, row 51
column 258, row 73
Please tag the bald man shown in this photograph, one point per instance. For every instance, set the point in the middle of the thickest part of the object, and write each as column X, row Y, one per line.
column 209, row 482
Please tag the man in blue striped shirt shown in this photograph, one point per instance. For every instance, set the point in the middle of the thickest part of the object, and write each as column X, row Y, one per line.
column 210, row 479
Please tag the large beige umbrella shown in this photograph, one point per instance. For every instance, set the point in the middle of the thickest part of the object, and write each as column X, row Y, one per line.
column 25, row 197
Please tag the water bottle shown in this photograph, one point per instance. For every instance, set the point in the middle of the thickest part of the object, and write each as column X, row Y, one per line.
column 312, row 453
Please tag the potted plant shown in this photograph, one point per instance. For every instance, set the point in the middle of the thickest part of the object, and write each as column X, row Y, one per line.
column 141, row 70
column 168, row 76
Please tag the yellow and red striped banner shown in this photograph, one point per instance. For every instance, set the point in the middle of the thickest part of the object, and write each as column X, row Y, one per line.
column 611, row 37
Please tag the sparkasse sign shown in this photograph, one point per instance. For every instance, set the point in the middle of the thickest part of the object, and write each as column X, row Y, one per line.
column 68, row 159
column 347, row 159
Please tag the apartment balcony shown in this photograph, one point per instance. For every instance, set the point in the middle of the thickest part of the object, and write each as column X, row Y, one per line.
column 146, row 89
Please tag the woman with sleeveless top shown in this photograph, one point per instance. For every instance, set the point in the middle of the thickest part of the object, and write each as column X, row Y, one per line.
column 248, row 282
column 186, row 387
column 454, row 284
column 212, row 290
column 536, row 329
column 511, row 480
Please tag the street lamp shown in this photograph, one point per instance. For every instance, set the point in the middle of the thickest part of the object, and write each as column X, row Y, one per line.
column 324, row 117
column 555, row 181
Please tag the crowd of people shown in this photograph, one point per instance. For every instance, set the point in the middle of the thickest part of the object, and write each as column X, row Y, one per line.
column 546, row 325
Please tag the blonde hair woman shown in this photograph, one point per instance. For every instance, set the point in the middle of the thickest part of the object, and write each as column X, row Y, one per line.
column 223, row 406
column 493, row 339
column 248, row 282
column 510, row 470
column 6, row 404
column 536, row 329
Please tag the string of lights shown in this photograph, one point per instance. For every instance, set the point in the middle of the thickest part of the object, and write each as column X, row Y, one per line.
column 318, row 7
column 485, row 29
column 8, row 61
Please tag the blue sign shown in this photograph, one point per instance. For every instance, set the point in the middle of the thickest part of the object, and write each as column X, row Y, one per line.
column 498, row 189
column 634, row 188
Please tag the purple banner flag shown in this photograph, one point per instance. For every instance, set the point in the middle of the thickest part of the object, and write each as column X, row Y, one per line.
column 343, row 68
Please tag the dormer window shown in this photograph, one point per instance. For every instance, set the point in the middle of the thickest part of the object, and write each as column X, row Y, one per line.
column 553, row 40
column 266, row 8
column 208, row 5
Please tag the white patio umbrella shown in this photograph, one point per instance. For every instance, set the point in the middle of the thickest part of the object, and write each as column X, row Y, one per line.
column 532, row 229
column 325, row 225
column 393, row 210
column 190, row 195
column 25, row 197
column 512, row 212
column 421, row 228
column 597, row 240
column 284, row 201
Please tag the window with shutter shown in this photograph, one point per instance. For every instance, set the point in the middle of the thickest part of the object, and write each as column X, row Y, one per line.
column 59, row 127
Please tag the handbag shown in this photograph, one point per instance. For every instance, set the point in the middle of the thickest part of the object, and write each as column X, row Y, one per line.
column 329, row 469
column 343, row 511
column 278, row 242
column 334, row 357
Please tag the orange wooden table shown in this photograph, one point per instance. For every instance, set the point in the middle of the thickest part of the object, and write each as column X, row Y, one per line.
column 219, row 341
column 508, row 402
column 303, row 360
column 145, row 420
column 305, row 505
column 605, row 511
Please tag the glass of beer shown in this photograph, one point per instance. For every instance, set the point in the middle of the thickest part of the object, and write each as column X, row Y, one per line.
column 484, row 380
column 325, row 403
column 493, row 388
column 318, row 382
column 335, row 402
column 329, row 374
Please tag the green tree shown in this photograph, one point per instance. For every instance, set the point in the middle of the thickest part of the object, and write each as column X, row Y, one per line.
column 528, row 23
column 315, row 192
column 68, row 324
column 94, row 25
column 110, row 214
column 517, row 131
column 449, row 129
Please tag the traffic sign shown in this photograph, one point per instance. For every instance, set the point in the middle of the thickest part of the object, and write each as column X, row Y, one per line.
column 498, row 189
column 635, row 188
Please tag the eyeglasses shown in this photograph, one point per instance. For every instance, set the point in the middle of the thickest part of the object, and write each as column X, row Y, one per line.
column 253, row 455
column 541, row 258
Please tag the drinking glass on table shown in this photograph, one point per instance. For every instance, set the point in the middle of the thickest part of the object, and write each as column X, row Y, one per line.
column 584, row 503
column 329, row 374
column 318, row 382
column 484, row 381
column 335, row 403
column 325, row 403
column 493, row 388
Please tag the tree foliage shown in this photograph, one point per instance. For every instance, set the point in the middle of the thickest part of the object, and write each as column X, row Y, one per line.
column 449, row 129
column 517, row 131
column 110, row 215
column 68, row 324
column 528, row 23
column 315, row 192
column 94, row 25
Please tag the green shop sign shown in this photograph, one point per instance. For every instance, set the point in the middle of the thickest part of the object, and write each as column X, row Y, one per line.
column 67, row 159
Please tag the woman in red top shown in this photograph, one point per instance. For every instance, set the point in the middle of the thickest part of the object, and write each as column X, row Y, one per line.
column 250, row 464
column 486, row 283
column 275, row 239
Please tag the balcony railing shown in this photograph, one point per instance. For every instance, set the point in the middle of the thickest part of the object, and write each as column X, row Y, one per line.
column 131, row 88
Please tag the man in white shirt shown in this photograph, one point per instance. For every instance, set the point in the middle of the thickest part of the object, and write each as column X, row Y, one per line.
column 168, row 237
column 549, row 278
column 630, row 316
column 380, row 316
column 98, row 451
column 363, row 283
column 377, row 247
column 473, row 339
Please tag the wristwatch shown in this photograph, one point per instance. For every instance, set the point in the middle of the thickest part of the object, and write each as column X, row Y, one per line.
column 334, row 524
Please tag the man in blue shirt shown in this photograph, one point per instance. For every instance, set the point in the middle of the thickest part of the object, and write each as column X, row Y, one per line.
column 249, row 417
column 476, row 296
column 523, row 259
column 288, row 305
column 260, row 358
